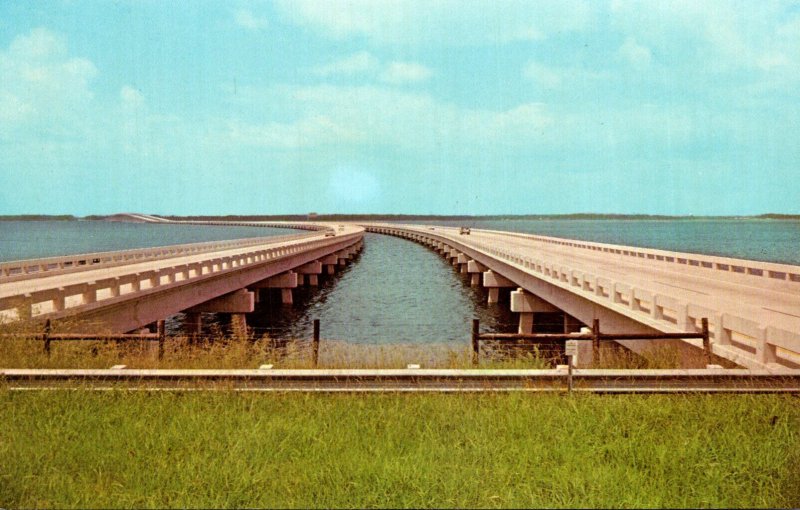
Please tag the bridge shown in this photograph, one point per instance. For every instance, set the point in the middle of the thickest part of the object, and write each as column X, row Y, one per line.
column 125, row 290
column 753, row 308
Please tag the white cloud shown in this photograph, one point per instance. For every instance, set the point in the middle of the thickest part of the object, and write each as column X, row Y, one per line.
column 715, row 35
column 131, row 97
column 356, row 63
column 405, row 72
column 445, row 22
column 364, row 63
column 310, row 131
column 635, row 53
column 544, row 76
column 42, row 83
column 374, row 116
column 245, row 18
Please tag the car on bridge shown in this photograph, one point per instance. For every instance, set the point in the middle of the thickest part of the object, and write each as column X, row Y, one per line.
column 463, row 231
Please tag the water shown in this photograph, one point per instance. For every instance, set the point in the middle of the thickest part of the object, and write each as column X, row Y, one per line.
column 755, row 239
column 396, row 291
column 37, row 239
column 399, row 291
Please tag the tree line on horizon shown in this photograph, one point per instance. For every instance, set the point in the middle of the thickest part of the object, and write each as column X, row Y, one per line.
column 397, row 217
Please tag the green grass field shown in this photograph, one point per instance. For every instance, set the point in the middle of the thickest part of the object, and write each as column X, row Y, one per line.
column 223, row 449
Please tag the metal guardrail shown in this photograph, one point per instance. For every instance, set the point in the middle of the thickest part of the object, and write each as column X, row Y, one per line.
column 407, row 380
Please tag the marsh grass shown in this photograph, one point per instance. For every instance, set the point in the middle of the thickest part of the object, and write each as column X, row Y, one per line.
column 226, row 352
column 21, row 346
column 232, row 353
column 222, row 449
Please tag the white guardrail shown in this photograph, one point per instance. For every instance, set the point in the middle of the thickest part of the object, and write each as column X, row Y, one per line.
column 754, row 268
column 55, row 298
column 738, row 338
column 35, row 268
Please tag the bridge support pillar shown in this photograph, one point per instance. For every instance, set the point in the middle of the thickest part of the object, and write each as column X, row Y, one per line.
column 475, row 269
column 330, row 263
column 462, row 261
column 240, row 301
column 585, row 350
column 284, row 281
column 192, row 324
column 311, row 271
column 526, row 304
column 236, row 303
column 494, row 282
column 585, row 357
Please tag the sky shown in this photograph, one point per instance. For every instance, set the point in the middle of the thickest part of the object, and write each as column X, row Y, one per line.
column 388, row 106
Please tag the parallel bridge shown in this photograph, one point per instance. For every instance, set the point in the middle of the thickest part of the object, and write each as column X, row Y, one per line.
column 126, row 290
column 753, row 307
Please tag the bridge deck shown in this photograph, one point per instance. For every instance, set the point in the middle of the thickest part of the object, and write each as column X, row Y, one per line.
column 49, row 288
column 753, row 307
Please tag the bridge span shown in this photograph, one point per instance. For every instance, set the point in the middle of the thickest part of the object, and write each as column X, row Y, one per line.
column 126, row 290
column 753, row 308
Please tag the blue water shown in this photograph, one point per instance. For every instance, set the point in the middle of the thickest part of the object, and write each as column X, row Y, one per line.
column 756, row 239
column 396, row 291
column 36, row 239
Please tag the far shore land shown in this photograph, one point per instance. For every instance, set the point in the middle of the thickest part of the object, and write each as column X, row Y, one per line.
column 406, row 217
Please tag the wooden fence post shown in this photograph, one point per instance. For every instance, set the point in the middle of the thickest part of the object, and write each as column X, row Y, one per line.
column 46, row 337
column 476, row 347
column 161, row 337
column 315, row 343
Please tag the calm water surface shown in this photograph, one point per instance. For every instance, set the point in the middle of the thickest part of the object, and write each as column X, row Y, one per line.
column 396, row 291
column 36, row 239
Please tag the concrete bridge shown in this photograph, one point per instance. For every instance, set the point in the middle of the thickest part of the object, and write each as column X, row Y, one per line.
column 753, row 307
column 126, row 290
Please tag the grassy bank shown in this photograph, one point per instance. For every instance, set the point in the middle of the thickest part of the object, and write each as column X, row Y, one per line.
column 118, row 449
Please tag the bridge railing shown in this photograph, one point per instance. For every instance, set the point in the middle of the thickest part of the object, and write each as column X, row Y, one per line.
column 762, row 342
column 35, row 268
column 760, row 269
column 753, row 268
column 57, row 298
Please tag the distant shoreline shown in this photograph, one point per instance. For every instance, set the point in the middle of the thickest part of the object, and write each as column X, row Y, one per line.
column 407, row 217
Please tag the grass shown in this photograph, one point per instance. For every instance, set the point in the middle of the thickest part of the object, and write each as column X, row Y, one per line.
column 230, row 353
column 222, row 449
column 21, row 346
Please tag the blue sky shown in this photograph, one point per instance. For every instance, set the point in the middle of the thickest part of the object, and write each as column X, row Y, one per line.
column 418, row 106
